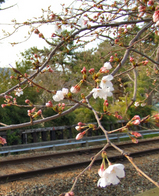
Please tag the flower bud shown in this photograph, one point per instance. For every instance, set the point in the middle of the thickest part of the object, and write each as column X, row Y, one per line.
column 81, row 124
column 78, row 128
column 136, row 122
column 11, row 77
column 91, row 71
column 41, row 35
column 80, row 135
column 2, row 141
column 33, row 110
column 53, row 35
column 3, row 105
column 75, row 89
column 136, row 134
column 83, row 71
column 134, row 140
column 27, row 101
column 36, row 31
column 39, row 112
column 104, row 154
column 131, row 59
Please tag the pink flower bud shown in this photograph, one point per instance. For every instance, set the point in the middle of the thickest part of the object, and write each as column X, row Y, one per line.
column 75, row 89
column 145, row 62
column 27, row 101
column 2, row 141
column 136, row 117
column 51, row 70
column 91, row 71
column 150, row 2
column 104, row 70
column 81, row 124
column 53, row 35
column 116, row 41
column 134, row 140
column 14, row 100
column 141, row 8
column 136, row 134
column 52, row 16
column 101, row 170
column 106, row 103
column 71, row 193
column 156, row 16
column 63, row 104
column 119, row 117
column 35, row 55
column 41, row 35
column 29, row 112
column 78, row 128
column 33, row 110
column 136, row 122
column 80, row 135
column 83, row 71
column 131, row 59
column 36, row 31
column 3, row 105
column 25, row 74
column 39, row 112
column 125, row 30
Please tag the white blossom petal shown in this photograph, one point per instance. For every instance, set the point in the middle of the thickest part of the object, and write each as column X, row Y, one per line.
column 64, row 91
column 107, row 65
column 111, row 175
column 102, row 182
column 105, row 82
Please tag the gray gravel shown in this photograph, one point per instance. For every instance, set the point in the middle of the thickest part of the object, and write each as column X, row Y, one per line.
column 55, row 184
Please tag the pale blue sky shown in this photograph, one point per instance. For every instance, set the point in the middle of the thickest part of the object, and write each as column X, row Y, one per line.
column 25, row 9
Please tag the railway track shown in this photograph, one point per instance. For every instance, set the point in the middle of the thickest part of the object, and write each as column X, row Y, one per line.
column 28, row 167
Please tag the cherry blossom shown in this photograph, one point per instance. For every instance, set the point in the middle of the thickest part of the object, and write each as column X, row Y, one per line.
column 18, row 92
column 97, row 92
column 156, row 16
column 60, row 94
column 106, row 81
column 111, row 175
column 75, row 89
column 136, row 104
column 105, row 67
column 143, row 104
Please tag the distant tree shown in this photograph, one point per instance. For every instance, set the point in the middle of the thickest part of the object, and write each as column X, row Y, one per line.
column 2, row 1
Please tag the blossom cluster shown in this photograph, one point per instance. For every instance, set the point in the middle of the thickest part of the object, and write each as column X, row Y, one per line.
column 18, row 92
column 110, row 175
column 105, row 87
column 137, row 104
column 60, row 94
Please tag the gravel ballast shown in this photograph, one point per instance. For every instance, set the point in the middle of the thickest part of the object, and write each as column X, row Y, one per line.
column 57, row 183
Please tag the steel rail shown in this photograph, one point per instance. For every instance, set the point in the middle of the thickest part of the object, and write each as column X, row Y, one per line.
column 73, row 152
column 68, row 142
column 38, row 172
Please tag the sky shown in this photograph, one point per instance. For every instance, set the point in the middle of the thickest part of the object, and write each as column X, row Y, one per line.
column 23, row 10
